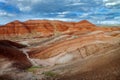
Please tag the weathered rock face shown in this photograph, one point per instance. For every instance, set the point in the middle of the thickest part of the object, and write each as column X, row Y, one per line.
column 45, row 28
column 14, row 28
column 77, row 47
column 11, row 44
column 10, row 51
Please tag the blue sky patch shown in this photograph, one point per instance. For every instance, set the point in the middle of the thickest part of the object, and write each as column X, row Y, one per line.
column 96, row 11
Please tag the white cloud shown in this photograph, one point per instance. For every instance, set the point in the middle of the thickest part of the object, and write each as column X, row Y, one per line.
column 4, row 13
column 63, row 13
column 74, row 4
column 23, row 7
column 84, row 15
column 108, row 22
column 61, row 19
column 27, row 5
column 110, row 3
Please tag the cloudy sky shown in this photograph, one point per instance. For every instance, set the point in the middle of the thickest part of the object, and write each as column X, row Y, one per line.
column 96, row 11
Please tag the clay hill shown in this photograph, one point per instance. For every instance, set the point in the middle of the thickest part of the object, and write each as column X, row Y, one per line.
column 43, row 28
column 57, row 50
column 11, row 53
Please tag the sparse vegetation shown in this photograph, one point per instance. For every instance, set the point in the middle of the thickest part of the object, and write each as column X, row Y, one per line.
column 33, row 68
column 50, row 74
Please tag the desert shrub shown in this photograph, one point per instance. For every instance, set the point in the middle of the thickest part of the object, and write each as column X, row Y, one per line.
column 33, row 68
column 50, row 74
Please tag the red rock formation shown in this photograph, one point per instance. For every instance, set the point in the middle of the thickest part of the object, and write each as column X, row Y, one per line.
column 76, row 47
column 47, row 28
column 85, row 24
column 66, row 46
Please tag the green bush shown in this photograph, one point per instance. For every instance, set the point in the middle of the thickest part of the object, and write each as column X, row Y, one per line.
column 50, row 74
column 31, row 69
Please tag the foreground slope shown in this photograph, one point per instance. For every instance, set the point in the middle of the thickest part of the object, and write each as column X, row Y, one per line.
column 9, row 52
